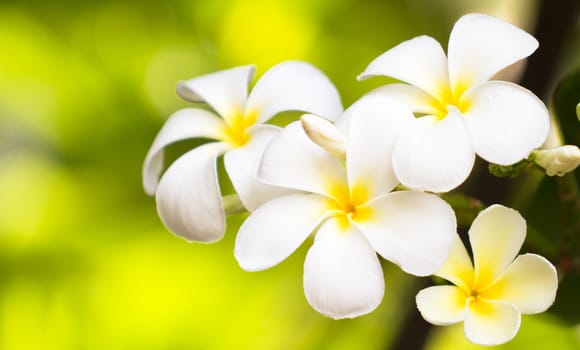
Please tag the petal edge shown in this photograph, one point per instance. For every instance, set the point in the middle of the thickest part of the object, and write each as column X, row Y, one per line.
column 442, row 305
column 276, row 229
column 294, row 86
column 184, row 124
column 342, row 275
column 482, row 45
column 188, row 198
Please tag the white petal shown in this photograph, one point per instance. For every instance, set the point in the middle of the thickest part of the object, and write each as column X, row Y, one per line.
column 416, row 99
column 529, row 283
column 496, row 235
column 294, row 86
column 184, row 124
column 226, row 91
column 188, row 198
column 491, row 323
column 506, row 122
column 274, row 230
column 292, row 160
column 375, row 126
column 342, row 123
column 442, row 305
column 434, row 155
column 481, row 45
column 342, row 275
column 242, row 167
column 415, row 230
column 457, row 267
column 419, row 61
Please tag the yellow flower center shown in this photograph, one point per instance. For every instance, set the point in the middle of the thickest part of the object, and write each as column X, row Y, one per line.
column 478, row 305
column 349, row 205
column 486, row 286
column 481, row 288
column 451, row 96
column 235, row 131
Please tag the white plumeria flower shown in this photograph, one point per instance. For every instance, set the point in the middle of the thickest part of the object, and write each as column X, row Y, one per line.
column 490, row 295
column 188, row 195
column 465, row 114
column 350, row 207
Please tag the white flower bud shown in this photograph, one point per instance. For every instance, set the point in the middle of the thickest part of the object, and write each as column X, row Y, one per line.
column 558, row 161
column 324, row 134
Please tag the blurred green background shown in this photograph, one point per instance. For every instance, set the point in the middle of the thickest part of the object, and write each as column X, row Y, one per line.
column 85, row 262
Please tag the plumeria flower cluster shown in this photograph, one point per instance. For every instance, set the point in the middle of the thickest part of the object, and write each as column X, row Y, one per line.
column 357, row 180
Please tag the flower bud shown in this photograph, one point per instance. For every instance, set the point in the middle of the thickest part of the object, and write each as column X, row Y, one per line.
column 558, row 161
column 324, row 134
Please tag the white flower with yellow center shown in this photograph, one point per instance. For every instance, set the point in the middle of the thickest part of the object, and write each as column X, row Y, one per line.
column 350, row 207
column 490, row 295
column 188, row 195
column 463, row 112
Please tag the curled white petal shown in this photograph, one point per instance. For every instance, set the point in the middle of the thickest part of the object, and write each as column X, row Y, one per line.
column 184, row 124
column 419, row 61
column 481, row 45
column 496, row 236
column 415, row 230
column 491, row 323
column 342, row 275
column 442, row 305
column 434, row 155
column 188, row 197
column 294, row 86
column 293, row 161
column 274, row 230
column 324, row 134
column 506, row 122
column 377, row 121
column 529, row 283
column 226, row 91
column 242, row 166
